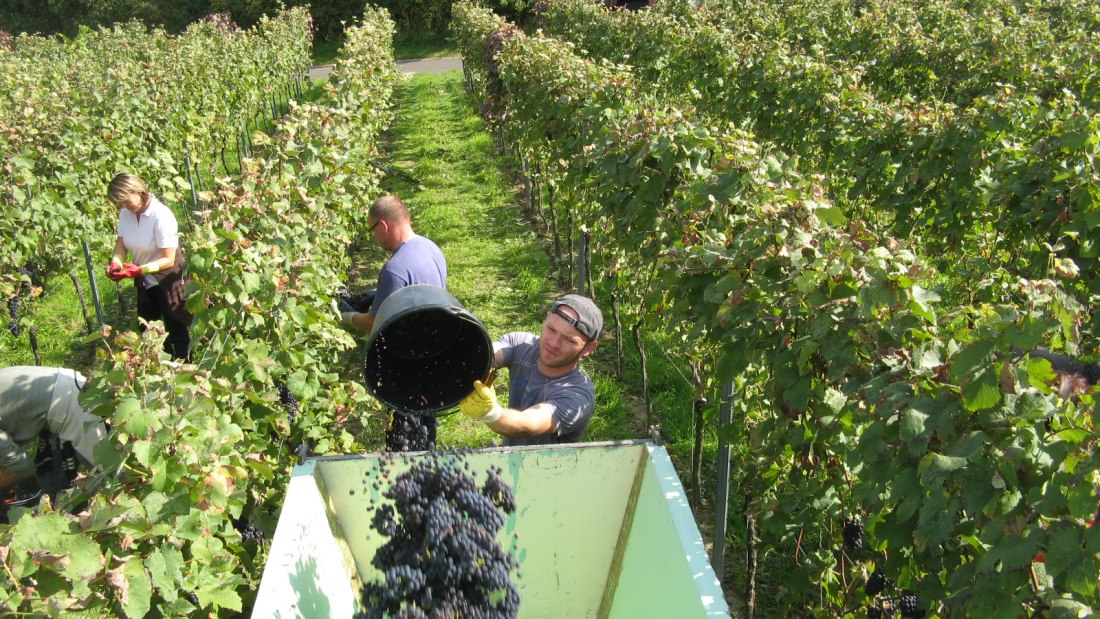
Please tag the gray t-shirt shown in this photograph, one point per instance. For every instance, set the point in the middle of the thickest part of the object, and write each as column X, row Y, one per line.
column 33, row 398
column 573, row 396
column 416, row 261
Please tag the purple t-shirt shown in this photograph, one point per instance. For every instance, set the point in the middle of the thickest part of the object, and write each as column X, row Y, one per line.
column 416, row 261
column 573, row 396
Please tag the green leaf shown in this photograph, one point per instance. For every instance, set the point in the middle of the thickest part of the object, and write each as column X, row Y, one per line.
column 912, row 424
column 971, row 360
column 1065, row 548
column 139, row 589
column 165, row 565
column 56, row 544
column 937, row 520
column 832, row 215
column 142, row 450
column 983, row 392
column 1012, row 552
column 906, row 491
column 835, row 400
column 302, row 385
column 934, row 468
column 219, row 597
column 131, row 417
column 922, row 303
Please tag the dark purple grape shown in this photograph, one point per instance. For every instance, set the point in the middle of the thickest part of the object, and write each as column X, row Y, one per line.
column 877, row 583
column 853, row 534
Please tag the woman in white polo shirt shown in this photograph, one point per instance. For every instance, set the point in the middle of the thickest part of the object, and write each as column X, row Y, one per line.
column 148, row 230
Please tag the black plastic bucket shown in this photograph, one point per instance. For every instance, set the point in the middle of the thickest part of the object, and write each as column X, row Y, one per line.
column 425, row 351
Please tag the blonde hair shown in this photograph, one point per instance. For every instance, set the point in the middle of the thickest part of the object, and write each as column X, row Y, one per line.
column 123, row 185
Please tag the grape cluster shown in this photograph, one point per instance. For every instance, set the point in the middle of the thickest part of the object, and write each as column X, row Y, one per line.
column 877, row 583
column 287, row 399
column 410, row 433
column 442, row 558
column 30, row 279
column 248, row 531
column 359, row 301
column 191, row 597
column 853, row 534
column 13, row 309
column 909, row 605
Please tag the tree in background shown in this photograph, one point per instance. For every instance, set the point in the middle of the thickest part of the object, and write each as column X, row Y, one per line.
column 329, row 16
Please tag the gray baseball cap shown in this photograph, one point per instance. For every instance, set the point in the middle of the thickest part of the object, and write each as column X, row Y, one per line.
column 589, row 320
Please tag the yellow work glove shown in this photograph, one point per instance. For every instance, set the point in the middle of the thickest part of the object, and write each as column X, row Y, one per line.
column 481, row 404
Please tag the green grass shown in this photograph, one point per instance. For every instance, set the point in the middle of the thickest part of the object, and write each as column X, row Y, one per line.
column 405, row 47
column 423, row 46
column 59, row 322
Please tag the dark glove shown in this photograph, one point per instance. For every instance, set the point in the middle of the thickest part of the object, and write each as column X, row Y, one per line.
column 343, row 306
column 366, row 299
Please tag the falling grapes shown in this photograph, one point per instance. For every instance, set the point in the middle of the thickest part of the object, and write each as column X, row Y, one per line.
column 442, row 558
column 410, row 433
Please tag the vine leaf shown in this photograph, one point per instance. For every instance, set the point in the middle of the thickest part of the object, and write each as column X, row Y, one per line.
column 55, row 541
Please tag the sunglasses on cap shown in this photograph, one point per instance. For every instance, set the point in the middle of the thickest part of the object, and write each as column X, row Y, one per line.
column 573, row 322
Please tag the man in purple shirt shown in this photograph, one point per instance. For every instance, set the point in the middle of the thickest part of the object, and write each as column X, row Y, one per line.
column 414, row 260
column 550, row 400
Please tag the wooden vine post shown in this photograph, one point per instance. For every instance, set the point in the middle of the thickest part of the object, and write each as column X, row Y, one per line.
column 637, row 330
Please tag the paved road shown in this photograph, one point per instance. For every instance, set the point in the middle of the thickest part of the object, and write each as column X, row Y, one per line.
column 417, row 65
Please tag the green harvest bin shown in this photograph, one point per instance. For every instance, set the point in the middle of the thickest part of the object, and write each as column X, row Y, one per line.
column 604, row 530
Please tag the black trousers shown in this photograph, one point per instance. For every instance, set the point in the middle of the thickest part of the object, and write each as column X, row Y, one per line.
column 152, row 304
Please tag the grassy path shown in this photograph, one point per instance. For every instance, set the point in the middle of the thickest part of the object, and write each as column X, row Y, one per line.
column 443, row 163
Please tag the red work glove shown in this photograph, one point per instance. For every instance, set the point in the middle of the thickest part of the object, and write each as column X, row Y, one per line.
column 114, row 271
column 130, row 270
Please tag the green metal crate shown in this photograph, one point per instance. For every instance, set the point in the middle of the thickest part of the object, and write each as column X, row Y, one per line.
column 604, row 530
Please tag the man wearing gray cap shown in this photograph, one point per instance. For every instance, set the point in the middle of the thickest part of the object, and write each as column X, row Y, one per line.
column 550, row 400
column 36, row 398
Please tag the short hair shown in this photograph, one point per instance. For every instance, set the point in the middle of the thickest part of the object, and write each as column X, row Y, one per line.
column 390, row 208
column 123, row 185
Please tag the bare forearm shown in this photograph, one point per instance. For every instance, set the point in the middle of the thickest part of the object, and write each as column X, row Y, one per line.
column 364, row 321
column 119, row 253
column 518, row 424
